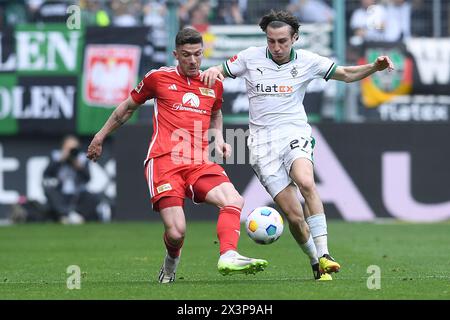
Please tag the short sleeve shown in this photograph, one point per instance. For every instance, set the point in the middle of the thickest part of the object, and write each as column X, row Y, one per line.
column 236, row 65
column 219, row 97
column 145, row 89
column 323, row 67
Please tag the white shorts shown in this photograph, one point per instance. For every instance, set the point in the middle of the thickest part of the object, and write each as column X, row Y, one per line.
column 272, row 161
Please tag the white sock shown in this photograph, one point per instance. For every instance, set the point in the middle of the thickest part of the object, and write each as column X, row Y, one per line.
column 310, row 249
column 170, row 264
column 318, row 226
column 321, row 245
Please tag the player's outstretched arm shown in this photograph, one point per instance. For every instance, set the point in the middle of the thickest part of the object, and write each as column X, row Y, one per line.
column 119, row 116
column 356, row 73
column 209, row 76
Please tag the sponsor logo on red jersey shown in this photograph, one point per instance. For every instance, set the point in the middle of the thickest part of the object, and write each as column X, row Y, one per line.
column 190, row 102
column 191, row 99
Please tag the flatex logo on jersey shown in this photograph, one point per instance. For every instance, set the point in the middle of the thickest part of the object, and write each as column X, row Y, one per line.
column 274, row 88
column 190, row 102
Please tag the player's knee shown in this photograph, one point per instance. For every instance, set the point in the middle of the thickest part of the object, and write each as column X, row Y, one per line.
column 175, row 235
column 306, row 184
column 235, row 200
column 176, row 239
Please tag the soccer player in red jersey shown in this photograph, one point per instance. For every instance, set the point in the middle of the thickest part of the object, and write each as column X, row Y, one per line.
column 176, row 166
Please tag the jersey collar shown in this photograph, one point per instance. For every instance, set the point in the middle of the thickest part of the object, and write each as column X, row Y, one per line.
column 181, row 74
column 293, row 55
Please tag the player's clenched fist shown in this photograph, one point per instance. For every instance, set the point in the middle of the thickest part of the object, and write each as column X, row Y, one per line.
column 384, row 62
column 95, row 149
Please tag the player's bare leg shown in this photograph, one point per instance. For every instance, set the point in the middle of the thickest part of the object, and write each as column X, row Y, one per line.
column 289, row 203
column 230, row 204
column 175, row 228
column 302, row 173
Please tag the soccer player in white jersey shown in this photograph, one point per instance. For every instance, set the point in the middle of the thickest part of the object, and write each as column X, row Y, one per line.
column 280, row 141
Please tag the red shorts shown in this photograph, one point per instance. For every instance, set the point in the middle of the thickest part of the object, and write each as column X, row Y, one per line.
column 175, row 182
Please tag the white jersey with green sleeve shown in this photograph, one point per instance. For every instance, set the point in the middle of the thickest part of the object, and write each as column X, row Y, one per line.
column 276, row 92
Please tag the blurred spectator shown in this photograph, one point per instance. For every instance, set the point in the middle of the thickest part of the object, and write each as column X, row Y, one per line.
column 26, row 211
column 94, row 13
column 65, row 181
column 52, row 11
column 367, row 23
column 126, row 13
column 13, row 13
column 446, row 20
column 33, row 7
column 155, row 12
column 257, row 8
column 155, row 16
column 311, row 11
column 185, row 9
column 199, row 16
column 231, row 12
column 398, row 20
column 421, row 19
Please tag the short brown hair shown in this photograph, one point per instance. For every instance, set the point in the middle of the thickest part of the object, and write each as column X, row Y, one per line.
column 278, row 19
column 188, row 35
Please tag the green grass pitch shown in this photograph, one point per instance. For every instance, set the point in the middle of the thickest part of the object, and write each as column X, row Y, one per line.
column 122, row 261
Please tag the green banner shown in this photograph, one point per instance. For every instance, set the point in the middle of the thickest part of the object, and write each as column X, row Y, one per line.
column 56, row 80
column 8, row 124
column 48, row 49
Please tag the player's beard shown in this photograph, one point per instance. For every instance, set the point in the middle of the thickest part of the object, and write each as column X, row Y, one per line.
column 192, row 71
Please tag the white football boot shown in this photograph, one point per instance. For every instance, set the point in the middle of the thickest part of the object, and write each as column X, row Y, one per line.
column 232, row 262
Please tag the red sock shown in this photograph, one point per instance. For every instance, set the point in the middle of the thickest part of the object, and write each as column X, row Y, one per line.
column 228, row 228
column 172, row 249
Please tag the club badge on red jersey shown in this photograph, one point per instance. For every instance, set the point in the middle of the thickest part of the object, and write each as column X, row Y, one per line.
column 207, row 92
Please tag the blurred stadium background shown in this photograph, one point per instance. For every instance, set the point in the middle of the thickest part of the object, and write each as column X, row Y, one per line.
column 382, row 151
column 382, row 148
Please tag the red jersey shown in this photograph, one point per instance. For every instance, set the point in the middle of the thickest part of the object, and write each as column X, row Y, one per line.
column 182, row 114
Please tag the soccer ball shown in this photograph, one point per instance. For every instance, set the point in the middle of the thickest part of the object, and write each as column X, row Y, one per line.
column 264, row 225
